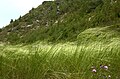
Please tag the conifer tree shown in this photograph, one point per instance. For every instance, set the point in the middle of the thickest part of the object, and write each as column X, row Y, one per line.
column 11, row 21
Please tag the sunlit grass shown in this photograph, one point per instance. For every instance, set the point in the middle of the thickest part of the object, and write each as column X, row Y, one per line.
column 59, row 61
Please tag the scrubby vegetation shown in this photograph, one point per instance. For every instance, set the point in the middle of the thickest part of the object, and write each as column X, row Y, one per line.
column 81, row 42
column 43, row 23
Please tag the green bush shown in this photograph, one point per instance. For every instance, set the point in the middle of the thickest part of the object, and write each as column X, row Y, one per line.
column 0, row 30
column 13, row 38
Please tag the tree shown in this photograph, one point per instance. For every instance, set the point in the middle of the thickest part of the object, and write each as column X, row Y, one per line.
column 11, row 21
column 20, row 17
column 0, row 30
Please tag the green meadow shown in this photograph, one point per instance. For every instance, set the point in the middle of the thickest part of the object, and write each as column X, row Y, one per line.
column 81, row 41
column 68, row 60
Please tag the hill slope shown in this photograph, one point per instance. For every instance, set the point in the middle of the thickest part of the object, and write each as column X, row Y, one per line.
column 43, row 22
column 86, row 36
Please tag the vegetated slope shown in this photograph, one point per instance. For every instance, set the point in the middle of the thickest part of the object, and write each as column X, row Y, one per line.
column 94, row 24
column 43, row 23
column 105, row 35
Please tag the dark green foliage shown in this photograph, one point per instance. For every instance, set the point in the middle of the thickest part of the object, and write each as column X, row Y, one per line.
column 13, row 38
column 0, row 30
column 11, row 21
column 16, row 22
column 20, row 17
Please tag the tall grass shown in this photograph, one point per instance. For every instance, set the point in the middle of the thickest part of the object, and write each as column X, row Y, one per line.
column 60, row 61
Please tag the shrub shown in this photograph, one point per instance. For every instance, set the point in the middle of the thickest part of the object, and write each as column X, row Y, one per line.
column 11, row 21
column 0, row 30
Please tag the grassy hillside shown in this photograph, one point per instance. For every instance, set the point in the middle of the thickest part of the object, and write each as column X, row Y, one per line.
column 70, row 60
column 43, row 23
column 82, row 42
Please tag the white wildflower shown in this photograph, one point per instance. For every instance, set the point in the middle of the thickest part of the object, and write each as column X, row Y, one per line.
column 109, row 76
column 94, row 70
column 106, row 67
